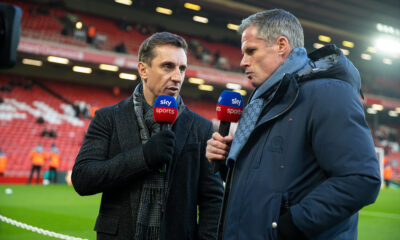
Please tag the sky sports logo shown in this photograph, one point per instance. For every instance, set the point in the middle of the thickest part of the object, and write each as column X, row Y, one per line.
column 163, row 110
column 229, row 110
column 165, row 102
column 236, row 101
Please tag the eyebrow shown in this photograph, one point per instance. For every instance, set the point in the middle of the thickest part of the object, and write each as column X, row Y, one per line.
column 248, row 48
column 172, row 63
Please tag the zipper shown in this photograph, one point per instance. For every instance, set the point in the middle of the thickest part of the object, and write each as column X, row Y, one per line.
column 285, row 204
column 284, row 111
column 230, row 175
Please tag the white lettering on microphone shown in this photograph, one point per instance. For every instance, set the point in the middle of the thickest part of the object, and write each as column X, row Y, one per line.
column 165, row 102
column 234, row 111
column 236, row 101
column 165, row 110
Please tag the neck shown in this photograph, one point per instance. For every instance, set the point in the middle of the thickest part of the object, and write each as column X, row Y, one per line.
column 148, row 96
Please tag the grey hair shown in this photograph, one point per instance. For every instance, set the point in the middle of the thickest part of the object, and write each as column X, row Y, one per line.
column 274, row 23
column 146, row 49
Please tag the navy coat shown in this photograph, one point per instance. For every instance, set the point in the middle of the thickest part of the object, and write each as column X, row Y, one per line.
column 311, row 153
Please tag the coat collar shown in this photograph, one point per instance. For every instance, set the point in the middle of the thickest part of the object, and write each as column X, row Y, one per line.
column 296, row 60
column 283, row 99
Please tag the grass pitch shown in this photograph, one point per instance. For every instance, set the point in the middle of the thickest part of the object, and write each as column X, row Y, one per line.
column 57, row 208
column 60, row 209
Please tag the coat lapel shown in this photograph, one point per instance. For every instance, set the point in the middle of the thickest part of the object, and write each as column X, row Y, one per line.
column 181, row 128
column 283, row 100
column 128, row 136
column 126, row 124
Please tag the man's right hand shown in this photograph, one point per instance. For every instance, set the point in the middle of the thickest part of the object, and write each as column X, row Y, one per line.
column 159, row 149
column 218, row 147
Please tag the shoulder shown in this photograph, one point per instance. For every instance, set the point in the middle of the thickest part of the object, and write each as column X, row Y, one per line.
column 329, row 89
column 109, row 110
column 325, row 83
column 328, row 98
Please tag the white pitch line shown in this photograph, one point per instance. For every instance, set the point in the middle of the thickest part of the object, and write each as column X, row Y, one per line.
column 381, row 214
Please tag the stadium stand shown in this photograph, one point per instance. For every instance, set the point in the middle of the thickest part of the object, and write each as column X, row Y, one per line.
column 54, row 100
column 48, row 26
column 51, row 100
column 19, row 112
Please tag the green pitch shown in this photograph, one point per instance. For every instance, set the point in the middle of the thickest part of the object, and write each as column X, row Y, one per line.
column 54, row 208
column 59, row 209
column 381, row 220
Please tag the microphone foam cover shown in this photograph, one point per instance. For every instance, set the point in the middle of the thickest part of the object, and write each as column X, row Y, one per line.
column 230, row 106
column 165, row 109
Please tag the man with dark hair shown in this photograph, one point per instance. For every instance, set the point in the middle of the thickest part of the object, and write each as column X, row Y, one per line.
column 302, row 162
column 124, row 149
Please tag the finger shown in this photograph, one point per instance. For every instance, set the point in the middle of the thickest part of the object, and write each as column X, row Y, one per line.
column 216, row 136
column 218, row 145
column 214, row 157
column 228, row 139
column 213, row 150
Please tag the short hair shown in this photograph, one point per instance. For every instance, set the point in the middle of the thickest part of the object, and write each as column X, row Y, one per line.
column 146, row 50
column 274, row 23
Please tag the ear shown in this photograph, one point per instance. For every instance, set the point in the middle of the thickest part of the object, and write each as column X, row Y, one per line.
column 142, row 69
column 283, row 46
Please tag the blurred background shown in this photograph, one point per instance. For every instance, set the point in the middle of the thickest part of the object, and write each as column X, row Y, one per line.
column 77, row 56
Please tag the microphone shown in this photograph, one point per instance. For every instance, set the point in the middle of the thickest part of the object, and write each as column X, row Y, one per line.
column 229, row 109
column 165, row 111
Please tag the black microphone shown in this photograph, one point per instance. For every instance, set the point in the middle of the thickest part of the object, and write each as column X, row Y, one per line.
column 165, row 111
column 229, row 109
column 165, row 126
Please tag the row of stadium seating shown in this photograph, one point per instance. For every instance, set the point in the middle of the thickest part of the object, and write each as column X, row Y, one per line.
column 20, row 132
column 20, row 136
column 47, row 26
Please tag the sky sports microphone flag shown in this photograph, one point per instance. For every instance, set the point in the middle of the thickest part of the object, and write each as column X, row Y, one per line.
column 165, row 110
column 229, row 109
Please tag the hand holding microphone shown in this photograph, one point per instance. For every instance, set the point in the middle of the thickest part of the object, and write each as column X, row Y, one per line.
column 229, row 109
column 159, row 150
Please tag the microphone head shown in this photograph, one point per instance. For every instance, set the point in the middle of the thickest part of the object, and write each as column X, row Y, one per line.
column 165, row 109
column 230, row 106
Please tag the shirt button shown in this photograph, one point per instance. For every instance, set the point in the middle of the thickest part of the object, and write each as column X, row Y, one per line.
column 274, row 225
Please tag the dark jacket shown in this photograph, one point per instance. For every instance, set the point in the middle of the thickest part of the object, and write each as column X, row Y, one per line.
column 310, row 157
column 111, row 162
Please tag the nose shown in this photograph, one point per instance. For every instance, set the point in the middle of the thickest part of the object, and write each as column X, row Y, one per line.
column 245, row 62
column 177, row 75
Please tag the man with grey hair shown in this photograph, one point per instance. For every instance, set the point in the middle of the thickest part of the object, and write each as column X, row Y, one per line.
column 302, row 162
column 124, row 149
